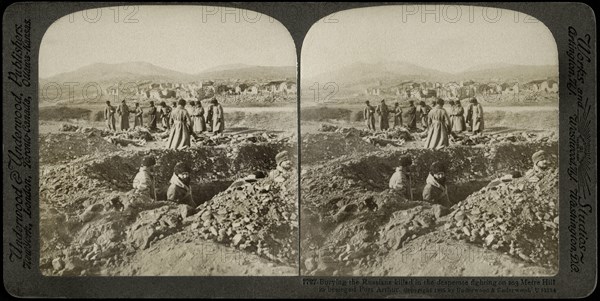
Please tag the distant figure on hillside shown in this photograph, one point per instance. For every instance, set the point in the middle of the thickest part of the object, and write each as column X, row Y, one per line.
column 109, row 116
column 475, row 116
column 152, row 116
column 457, row 119
column 397, row 115
column 179, row 138
column 384, row 113
column 424, row 112
column 218, row 117
column 369, row 115
column 198, row 122
column 123, row 111
column 439, row 127
column 138, row 118
column 435, row 190
column 165, row 113
column 412, row 116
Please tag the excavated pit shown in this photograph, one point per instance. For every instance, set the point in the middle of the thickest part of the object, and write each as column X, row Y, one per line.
column 90, row 218
column 350, row 219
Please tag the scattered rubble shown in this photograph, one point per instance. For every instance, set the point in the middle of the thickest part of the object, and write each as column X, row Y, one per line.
column 514, row 216
column 393, row 137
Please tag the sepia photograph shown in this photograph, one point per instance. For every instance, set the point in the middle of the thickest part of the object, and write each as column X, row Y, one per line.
column 429, row 142
column 167, row 143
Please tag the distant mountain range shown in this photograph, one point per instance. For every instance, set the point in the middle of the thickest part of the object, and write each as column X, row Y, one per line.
column 143, row 71
column 360, row 75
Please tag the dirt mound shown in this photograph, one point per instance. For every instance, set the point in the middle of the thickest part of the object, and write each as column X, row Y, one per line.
column 92, row 225
column 394, row 137
column 321, row 147
column 59, row 147
column 259, row 218
column 514, row 216
column 351, row 220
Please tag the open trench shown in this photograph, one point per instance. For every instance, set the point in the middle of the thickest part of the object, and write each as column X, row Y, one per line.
column 91, row 221
column 350, row 220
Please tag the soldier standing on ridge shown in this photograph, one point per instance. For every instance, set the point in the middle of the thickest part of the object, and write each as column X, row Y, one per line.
column 123, row 111
column 384, row 113
column 369, row 115
column 109, row 116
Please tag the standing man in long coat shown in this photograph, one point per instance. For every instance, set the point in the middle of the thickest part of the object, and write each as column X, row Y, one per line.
column 424, row 110
column 369, row 115
column 198, row 122
column 123, row 111
column 412, row 115
column 384, row 113
column 476, row 116
column 165, row 113
column 153, row 116
column 138, row 118
column 109, row 116
column 439, row 127
column 397, row 115
column 179, row 138
column 218, row 117
column 457, row 118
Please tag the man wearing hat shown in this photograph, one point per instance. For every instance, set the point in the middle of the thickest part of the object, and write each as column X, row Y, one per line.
column 412, row 115
column 153, row 117
column 218, row 117
column 109, row 116
column 138, row 117
column 165, row 113
column 400, row 180
column 180, row 190
column 383, row 111
column 284, row 165
column 439, row 127
column 123, row 111
column 143, row 183
column 540, row 166
column 181, row 125
column 369, row 116
column 435, row 190
column 397, row 115
column 475, row 116
column 424, row 112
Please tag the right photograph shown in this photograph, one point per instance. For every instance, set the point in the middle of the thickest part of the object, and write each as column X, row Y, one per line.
column 429, row 143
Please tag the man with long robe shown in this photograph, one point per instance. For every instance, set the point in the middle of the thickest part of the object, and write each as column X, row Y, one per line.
column 397, row 115
column 198, row 122
column 476, row 117
column 218, row 117
column 369, row 116
column 457, row 119
column 411, row 112
column 384, row 113
column 109, row 116
column 123, row 111
column 179, row 137
column 165, row 113
column 152, row 116
column 138, row 117
column 439, row 127
column 424, row 110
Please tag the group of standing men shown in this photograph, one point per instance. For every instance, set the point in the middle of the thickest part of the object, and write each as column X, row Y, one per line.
column 438, row 122
column 181, row 122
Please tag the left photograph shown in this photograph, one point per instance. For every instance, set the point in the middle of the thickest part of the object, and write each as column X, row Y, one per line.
column 168, row 143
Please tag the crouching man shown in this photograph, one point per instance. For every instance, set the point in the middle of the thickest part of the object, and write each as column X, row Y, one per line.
column 541, row 164
column 435, row 190
column 180, row 190
column 284, row 166
column 143, row 183
column 400, row 180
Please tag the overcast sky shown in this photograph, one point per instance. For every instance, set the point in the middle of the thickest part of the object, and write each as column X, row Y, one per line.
column 449, row 38
column 183, row 38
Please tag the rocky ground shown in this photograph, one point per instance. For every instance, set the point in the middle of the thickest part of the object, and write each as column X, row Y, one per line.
column 353, row 225
column 93, row 224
